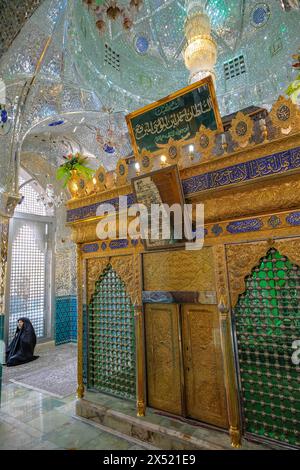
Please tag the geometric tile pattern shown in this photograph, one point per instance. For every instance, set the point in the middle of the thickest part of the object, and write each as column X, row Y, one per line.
column 66, row 319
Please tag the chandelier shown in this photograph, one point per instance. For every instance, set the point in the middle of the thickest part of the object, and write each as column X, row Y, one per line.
column 113, row 10
column 200, row 54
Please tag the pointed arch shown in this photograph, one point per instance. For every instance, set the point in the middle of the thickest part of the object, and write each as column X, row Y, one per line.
column 267, row 321
column 111, row 342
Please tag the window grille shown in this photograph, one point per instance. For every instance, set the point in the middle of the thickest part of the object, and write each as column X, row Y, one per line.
column 235, row 67
column 27, row 280
column 267, row 319
column 111, row 348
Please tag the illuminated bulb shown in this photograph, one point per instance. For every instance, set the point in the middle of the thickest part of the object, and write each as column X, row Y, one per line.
column 191, row 148
column 163, row 160
column 137, row 168
column 94, row 180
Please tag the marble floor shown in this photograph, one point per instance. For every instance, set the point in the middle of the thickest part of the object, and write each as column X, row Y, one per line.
column 36, row 421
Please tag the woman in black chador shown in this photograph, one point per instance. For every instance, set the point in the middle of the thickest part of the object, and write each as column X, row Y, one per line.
column 22, row 346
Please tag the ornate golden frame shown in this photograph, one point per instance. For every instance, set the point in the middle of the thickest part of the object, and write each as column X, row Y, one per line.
column 206, row 81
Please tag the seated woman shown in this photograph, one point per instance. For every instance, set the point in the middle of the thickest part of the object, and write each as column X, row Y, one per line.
column 22, row 346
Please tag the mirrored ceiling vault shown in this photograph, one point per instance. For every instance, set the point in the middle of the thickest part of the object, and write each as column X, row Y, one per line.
column 83, row 81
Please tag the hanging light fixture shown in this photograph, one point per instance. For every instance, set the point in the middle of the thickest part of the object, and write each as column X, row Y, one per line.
column 200, row 54
column 112, row 10
column 112, row 136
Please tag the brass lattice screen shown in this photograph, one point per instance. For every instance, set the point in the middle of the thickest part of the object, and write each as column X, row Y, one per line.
column 111, row 340
column 267, row 319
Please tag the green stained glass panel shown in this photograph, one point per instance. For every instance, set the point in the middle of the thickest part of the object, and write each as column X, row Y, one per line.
column 267, row 319
column 112, row 363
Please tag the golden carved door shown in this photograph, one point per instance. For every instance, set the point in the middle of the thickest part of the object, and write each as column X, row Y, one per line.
column 164, row 357
column 204, row 384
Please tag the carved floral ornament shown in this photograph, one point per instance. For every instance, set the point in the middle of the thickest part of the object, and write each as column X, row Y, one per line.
column 285, row 115
column 243, row 258
column 242, row 129
column 172, row 151
column 145, row 161
column 122, row 172
column 205, row 142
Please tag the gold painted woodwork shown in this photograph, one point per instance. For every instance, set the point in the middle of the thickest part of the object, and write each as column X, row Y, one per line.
column 100, row 177
column 122, row 265
column 179, row 270
column 95, row 267
column 171, row 151
column 206, row 150
column 145, row 160
column 80, row 387
column 139, row 337
column 244, row 139
column 274, row 195
column 163, row 357
column 289, row 247
column 240, row 261
column 203, row 365
column 122, row 172
column 177, row 94
column 230, row 376
column 293, row 121
column 242, row 258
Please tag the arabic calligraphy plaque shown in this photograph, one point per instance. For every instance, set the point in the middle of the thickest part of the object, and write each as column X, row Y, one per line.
column 178, row 116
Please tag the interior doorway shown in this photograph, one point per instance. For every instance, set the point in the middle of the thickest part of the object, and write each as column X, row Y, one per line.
column 30, row 275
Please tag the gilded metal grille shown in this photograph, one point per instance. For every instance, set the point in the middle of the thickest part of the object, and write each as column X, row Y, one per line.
column 111, row 349
column 267, row 319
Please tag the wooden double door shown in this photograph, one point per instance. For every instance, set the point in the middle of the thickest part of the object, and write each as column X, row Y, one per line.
column 184, row 362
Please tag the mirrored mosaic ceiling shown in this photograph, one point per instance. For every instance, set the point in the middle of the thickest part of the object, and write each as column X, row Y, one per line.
column 102, row 77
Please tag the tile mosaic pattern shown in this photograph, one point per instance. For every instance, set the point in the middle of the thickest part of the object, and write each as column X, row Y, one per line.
column 66, row 319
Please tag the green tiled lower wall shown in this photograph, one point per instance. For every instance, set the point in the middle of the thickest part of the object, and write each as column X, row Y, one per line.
column 66, row 319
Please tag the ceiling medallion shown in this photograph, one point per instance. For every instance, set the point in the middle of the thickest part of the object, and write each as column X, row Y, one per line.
column 260, row 15
column 112, row 10
column 141, row 43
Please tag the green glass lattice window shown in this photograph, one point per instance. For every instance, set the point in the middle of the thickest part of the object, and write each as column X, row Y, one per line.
column 111, row 344
column 267, row 319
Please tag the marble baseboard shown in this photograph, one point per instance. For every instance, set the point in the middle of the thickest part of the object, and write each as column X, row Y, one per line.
column 144, row 430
